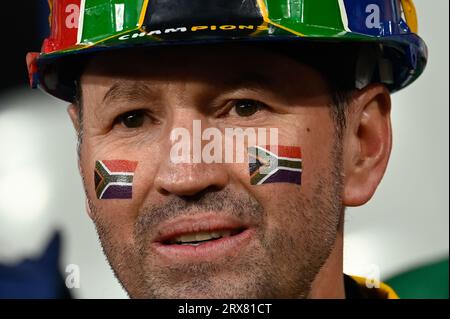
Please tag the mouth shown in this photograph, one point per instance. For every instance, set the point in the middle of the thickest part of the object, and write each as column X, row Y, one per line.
column 201, row 238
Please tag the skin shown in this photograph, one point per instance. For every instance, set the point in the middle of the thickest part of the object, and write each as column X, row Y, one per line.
column 296, row 244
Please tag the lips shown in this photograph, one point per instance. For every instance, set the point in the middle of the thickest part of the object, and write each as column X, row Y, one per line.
column 201, row 237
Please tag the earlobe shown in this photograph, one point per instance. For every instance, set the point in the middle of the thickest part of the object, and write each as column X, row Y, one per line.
column 367, row 145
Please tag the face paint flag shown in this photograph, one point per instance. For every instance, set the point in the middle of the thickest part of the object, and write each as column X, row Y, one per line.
column 114, row 179
column 282, row 164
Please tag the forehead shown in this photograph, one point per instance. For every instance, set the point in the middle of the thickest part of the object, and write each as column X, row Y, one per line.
column 211, row 68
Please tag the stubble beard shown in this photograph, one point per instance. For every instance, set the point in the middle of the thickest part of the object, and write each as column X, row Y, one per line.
column 281, row 263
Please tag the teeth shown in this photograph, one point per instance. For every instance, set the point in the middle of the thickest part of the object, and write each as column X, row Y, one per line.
column 190, row 239
column 203, row 236
column 186, row 238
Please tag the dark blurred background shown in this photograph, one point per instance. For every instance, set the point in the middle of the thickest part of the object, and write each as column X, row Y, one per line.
column 24, row 26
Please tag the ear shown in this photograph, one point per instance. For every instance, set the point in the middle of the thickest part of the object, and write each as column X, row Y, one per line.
column 73, row 114
column 367, row 144
column 88, row 209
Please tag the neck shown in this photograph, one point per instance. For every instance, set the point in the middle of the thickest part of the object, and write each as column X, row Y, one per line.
column 329, row 282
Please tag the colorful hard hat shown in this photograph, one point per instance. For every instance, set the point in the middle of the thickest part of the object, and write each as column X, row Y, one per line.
column 80, row 28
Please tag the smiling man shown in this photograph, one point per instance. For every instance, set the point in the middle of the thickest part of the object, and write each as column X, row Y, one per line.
column 267, row 227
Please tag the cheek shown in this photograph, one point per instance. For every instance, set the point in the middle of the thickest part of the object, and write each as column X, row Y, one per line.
column 317, row 159
column 117, row 179
column 313, row 146
column 303, row 153
column 315, row 135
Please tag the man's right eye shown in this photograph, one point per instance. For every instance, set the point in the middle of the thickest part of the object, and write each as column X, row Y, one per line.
column 132, row 119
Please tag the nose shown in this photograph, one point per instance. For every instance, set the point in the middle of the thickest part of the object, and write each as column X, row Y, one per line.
column 192, row 177
column 186, row 179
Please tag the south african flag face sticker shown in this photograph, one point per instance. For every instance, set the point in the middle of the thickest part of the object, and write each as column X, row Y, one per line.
column 275, row 164
column 114, row 179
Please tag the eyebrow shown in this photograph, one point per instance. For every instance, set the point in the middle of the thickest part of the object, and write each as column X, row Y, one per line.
column 126, row 91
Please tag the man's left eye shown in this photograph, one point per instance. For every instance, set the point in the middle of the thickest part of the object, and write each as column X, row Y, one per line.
column 246, row 108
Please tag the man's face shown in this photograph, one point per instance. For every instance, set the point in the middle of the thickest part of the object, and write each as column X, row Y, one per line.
column 275, row 236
